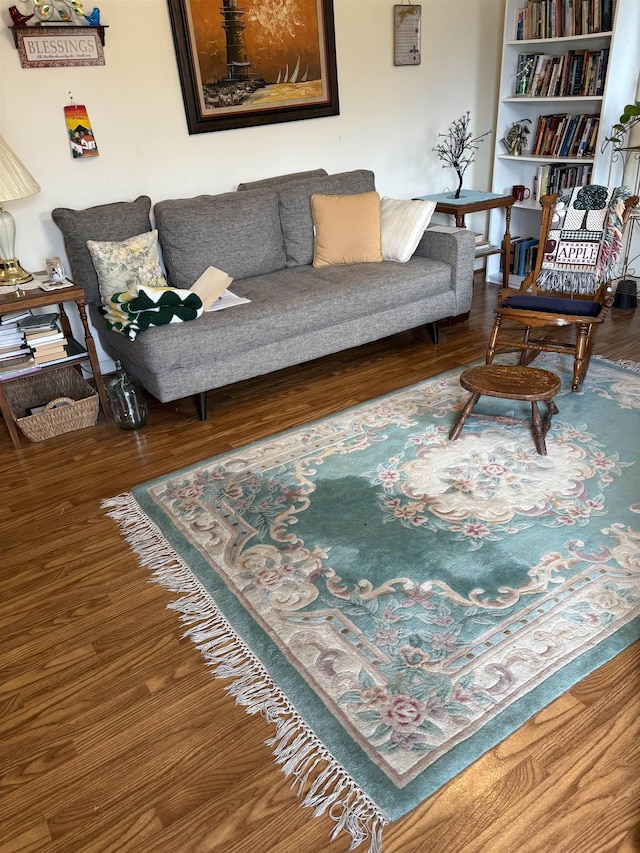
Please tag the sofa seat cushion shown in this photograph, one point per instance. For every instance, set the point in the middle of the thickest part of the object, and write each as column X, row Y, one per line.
column 285, row 305
column 295, row 209
column 237, row 232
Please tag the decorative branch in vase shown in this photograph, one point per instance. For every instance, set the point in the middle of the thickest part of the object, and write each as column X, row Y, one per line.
column 458, row 147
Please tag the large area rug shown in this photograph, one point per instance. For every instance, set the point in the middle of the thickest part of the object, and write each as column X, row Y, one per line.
column 396, row 603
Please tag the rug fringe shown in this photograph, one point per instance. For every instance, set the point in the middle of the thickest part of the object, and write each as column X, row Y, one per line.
column 629, row 364
column 318, row 779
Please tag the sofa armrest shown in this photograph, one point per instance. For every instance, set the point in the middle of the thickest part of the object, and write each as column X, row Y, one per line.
column 457, row 248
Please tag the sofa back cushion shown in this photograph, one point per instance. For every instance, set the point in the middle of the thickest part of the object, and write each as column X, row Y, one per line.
column 277, row 181
column 236, row 232
column 295, row 209
column 105, row 222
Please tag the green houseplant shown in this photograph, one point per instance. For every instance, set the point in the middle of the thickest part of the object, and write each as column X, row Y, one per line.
column 629, row 118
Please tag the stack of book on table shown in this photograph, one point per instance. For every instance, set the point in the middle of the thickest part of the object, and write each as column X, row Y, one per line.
column 482, row 243
column 44, row 338
column 15, row 356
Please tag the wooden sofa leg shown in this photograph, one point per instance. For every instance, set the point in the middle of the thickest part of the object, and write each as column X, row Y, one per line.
column 433, row 331
column 201, row 402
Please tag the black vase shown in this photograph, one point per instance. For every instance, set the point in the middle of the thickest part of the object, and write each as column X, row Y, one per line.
column 626, row 298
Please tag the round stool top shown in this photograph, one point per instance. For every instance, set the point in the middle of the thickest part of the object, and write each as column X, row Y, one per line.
column 513, row 382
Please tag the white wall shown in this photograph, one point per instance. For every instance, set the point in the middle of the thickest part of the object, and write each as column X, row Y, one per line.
column 389, row 116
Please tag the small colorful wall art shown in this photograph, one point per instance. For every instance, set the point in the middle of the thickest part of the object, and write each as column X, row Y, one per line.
column 81, row 139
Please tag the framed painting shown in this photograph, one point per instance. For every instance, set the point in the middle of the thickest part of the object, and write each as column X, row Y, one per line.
column 251, row 62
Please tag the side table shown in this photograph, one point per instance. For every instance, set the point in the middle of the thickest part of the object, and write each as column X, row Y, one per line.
column 37, row 298
column 472, row 201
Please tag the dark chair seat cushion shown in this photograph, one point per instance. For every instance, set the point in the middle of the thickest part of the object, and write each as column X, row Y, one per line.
column 554, row 305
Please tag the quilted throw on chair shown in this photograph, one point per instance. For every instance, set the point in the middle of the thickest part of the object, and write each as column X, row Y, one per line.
column 584, row 239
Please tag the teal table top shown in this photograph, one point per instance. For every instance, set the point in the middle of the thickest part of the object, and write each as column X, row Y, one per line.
column 466, row 197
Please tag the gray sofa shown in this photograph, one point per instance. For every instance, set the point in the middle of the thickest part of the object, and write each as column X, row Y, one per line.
column 262, row 235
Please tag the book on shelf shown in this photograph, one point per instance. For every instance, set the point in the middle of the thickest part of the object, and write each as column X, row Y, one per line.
column 16, row 363
column 561, row 18
column 72, row 349
column 39, row 322
column 40, row 349
column 522, row 257
column 12, row 317
column 14, row 349
column 575, row 73
column 37, row 340
column 566, row 135
column 27, row 363
column 526, row 256
column 11, row 337
column 42, row 333
column 552, row 178
column 50, row 356
column 34, row 343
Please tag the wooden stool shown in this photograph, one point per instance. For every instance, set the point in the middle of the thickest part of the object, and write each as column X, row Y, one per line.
column 511, row 382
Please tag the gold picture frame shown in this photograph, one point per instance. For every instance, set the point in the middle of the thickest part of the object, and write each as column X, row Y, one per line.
column 255, row 63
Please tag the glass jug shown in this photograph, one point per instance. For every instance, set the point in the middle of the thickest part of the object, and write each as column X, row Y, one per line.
column 128, row 404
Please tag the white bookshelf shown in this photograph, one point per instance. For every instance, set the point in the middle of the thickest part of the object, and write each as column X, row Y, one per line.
column 619, row 89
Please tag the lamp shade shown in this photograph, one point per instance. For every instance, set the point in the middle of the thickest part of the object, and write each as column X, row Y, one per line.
column 15, row 180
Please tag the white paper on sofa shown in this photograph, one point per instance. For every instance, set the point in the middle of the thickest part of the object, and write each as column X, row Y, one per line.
column 226, row 300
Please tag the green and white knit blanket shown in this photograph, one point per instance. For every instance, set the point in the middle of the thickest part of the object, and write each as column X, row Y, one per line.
column 133, row 312
column 584, row 239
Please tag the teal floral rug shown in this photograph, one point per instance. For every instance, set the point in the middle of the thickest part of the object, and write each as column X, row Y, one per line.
column 396, row 603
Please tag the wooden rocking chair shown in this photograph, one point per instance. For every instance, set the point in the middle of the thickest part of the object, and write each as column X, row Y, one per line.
column 538, row 306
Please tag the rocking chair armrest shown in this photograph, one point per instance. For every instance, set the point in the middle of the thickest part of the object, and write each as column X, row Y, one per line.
column 524, row 286
column 507, row 292
column 528, row 283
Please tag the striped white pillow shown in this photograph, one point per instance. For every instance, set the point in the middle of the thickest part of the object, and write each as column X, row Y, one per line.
column 403, row 224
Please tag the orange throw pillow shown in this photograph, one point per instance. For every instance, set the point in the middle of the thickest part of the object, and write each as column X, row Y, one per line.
column 347, row 229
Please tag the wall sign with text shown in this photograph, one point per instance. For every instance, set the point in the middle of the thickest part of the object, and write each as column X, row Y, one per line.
column 59, row 45
column 406, row 34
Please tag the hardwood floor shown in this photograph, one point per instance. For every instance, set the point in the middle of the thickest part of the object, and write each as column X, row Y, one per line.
column 114, row 736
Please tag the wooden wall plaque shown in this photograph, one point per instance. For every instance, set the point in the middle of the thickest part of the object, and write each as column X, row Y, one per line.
column 406, row 34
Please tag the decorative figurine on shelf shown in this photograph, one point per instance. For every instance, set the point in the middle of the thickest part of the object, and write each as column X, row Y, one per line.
column 94, row 18
column 48, row 12
column 17, row 18
column 516, row 139
column 523, row 77
column 458, row 147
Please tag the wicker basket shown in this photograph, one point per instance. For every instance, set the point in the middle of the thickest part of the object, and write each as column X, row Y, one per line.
column 72, row 403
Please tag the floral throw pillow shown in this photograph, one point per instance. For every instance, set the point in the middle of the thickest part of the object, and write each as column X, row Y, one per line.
column 125, row 265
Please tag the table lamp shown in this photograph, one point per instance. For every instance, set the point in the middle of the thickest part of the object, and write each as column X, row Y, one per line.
column 15, row 182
